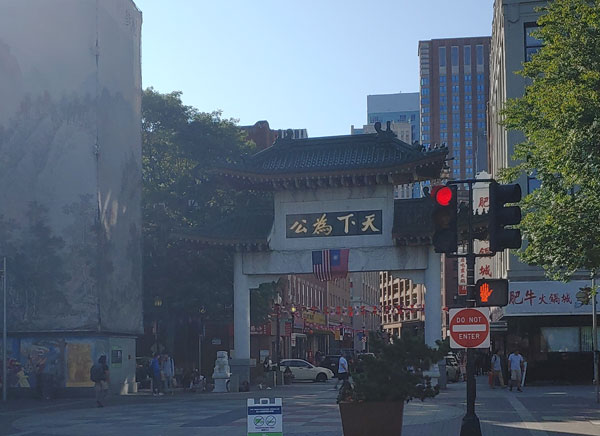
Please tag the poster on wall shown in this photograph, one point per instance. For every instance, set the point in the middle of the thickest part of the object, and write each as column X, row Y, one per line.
column 79, row 362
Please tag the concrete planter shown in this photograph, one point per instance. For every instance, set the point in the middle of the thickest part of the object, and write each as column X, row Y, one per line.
column 372, row 418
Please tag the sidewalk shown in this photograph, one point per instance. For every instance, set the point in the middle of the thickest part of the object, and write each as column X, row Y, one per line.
column 310, row 409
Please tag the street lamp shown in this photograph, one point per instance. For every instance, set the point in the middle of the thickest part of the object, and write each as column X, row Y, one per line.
column 157, row 304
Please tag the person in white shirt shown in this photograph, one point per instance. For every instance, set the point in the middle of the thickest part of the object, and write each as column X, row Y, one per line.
column 342, row 371
column 497, row 370
column 515, row 366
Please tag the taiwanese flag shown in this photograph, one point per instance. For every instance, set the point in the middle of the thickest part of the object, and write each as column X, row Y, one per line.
column 330, row 264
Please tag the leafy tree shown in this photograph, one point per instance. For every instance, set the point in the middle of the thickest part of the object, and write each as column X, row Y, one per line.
column 180, row 147
column 560, row 117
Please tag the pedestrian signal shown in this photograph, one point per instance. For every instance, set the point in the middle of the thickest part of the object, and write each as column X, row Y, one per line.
column 491, row 292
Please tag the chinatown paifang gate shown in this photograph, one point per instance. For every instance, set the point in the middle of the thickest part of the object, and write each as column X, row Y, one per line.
column 331, row 193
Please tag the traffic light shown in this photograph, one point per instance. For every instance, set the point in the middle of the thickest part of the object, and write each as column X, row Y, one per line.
column 445, row 237
column 501, row 215
column 491, row 292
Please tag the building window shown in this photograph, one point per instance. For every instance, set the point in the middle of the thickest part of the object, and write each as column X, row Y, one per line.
column 424, row 100
column 468, row 97
column 468, row 115
column 468, row 134
column 479, row 50
column 481, row 115
column 469, row 152
column 481, row 125
column 457, row 152
column 455, row 78
column 443, row 108
column 532, row 44
column 456, row 135
column 480, row 97
column 456, row 144
column 442, row 55
column 480, row 88
column 468, row 144
column 454, row 55
column 467, row 50
column 467, row 77
column 442, row 89
column 480, row 77
column 443, row 117
column 425, row 127
column 443, row 126
column 481, row 107
column 442, row 79
column 425, row 137
column 425, row 109
column 443, row 135
column 559, row 339
column 424, row 91
column 469, row 170
column 425, row 81
column 442, row 99
column 468, row 125
column 424, row 119
column 456, row 126
column 456, row 171
column 468, row 161
column 456, row 99
column 455, row 89
column 468, row 89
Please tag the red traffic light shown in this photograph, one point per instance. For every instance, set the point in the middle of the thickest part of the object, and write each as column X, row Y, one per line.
column 443, row 195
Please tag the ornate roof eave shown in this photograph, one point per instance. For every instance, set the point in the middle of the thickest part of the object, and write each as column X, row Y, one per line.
column 426, row 168
column 235, row 244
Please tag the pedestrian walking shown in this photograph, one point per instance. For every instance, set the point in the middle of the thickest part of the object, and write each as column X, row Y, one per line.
column 100, row 376
column 168, row 370
column 497, row 370
column 267, row 364
column 343, row 371
column 156, row 372
column 515, row 366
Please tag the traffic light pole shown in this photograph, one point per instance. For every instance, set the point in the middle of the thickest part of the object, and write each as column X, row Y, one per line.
column 470, row 423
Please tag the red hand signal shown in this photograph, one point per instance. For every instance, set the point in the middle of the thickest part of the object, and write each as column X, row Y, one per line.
column 485, row 292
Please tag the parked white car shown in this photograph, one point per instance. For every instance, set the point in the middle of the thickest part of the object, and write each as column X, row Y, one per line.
column 303, row 370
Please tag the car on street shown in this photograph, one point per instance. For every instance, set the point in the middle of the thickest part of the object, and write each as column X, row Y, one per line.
column 452, row 368
column 303, row 370
column 331, row 362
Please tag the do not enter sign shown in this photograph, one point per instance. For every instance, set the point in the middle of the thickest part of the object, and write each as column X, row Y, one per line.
column 470, row 328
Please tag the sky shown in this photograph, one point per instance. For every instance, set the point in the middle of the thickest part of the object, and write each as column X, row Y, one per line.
column 295, row 63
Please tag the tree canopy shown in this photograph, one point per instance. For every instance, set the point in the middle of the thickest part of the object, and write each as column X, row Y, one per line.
column 180, row 146
column 560, row 117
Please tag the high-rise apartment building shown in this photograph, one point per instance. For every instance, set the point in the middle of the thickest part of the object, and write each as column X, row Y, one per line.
column 401, row 305
column 454, row 94
column 396, row 108
column 544, row 318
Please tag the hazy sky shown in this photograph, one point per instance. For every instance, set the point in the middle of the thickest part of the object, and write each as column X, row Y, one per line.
column 295, row 63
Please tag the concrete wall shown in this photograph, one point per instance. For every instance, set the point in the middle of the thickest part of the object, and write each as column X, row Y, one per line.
column 70, row 165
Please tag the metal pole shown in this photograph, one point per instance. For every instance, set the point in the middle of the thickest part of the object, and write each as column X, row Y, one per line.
column 470, row 423
column 278, row 333
column 595, row 336
column 4, row 339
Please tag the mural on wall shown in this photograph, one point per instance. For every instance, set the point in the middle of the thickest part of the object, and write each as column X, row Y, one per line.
column 38, row 358
column 79, row 362
column 70, row 166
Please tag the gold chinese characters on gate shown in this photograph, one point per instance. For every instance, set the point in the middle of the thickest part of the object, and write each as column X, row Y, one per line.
column 308, row 225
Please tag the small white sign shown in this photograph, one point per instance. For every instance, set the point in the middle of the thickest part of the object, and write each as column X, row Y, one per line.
column 265, row 417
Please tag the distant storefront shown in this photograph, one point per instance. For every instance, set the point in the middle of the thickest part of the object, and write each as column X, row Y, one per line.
column 551, row 327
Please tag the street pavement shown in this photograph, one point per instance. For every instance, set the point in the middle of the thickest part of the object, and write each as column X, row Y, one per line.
column 309, row 409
